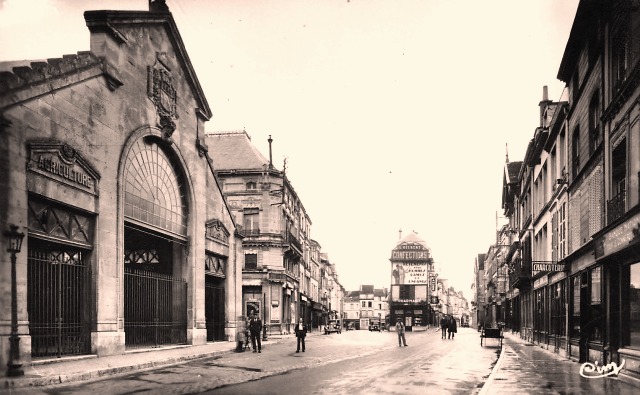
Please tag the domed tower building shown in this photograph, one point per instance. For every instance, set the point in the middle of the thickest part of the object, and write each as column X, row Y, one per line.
column 413, row 282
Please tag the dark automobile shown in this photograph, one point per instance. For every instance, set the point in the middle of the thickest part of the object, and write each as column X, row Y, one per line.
column 374, row 327
column 333, row 326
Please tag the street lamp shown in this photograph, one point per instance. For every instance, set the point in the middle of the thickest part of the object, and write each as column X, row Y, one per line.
column 14, row 366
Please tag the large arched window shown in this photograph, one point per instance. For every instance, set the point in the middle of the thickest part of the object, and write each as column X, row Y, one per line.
column 154, row 190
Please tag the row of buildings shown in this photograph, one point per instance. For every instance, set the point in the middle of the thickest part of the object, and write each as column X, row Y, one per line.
column 564, row 271
column 126, row 225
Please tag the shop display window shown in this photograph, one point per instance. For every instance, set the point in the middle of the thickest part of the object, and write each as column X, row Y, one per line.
column 631, row 305
column 575, row 307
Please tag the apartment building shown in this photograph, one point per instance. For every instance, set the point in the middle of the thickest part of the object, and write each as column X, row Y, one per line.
column 285, row 275
column 574, row 264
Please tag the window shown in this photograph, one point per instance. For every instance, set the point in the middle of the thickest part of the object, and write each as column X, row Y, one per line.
column 562, row 231
column 575, row 87
column 617, row 205
column 364, row 304
column 558, row 311
column 575, row 306
column 631, row 305
column 252, row 186
column 596, row 317
column 251, row 224
column 250, row 261
column 575, row 152
column 594, row 123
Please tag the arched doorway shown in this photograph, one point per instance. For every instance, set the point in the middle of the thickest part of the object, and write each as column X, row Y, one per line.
column 155, row 242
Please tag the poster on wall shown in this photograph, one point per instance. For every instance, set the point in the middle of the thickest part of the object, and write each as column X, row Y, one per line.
column 275, row 314
column 409, row 273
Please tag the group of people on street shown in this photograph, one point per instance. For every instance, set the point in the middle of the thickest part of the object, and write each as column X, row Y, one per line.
column 252, row 331
column 448, row 325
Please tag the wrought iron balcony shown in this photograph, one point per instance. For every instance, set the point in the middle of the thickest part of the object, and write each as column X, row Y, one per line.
column 293, row 240
column 615, row 207
column 520, row 273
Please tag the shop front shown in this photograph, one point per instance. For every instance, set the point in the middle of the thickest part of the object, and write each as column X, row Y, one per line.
column 618, row 255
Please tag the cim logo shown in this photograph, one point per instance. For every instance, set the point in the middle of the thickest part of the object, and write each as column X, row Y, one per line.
column 593, row 371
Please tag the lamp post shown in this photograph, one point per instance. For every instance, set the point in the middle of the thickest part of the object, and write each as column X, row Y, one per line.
column 14, row 366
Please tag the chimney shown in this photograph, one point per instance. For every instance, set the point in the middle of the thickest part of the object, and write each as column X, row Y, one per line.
column 158, row 6
column 270, row 155
column 543, row 105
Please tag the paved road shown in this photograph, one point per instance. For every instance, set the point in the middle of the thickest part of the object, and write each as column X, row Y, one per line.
column 428, row 365
column 354, row 362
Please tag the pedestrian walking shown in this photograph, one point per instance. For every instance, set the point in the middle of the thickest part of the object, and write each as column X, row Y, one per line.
column 301, row 333
column 255, row 326
column 452, row 327
column 400, row 330
column 444, row 324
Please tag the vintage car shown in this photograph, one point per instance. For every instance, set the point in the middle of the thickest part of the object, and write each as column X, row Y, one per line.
column 374, row 327
column 333, row 326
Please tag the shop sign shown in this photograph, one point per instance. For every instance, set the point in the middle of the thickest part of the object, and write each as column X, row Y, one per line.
column 548, row 267
column 620, row 237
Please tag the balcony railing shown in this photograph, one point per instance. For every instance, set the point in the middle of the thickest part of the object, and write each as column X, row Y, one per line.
column 615, row 207
column 293, row 240
column 520, row 275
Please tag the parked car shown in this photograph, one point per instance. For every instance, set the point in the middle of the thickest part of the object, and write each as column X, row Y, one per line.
column 333, row 326
column 374, row 327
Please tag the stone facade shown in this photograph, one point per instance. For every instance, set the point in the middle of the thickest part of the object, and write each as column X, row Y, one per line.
column 103, row 160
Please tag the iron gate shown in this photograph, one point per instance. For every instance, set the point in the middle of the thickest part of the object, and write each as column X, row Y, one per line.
column 155, row 309
column 214, row 308
column 58, row 302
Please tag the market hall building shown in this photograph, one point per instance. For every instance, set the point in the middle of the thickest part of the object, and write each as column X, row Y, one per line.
column 128, row 241
column 412, row 280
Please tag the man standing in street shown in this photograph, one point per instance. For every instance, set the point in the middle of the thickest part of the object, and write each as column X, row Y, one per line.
column 255, row 326
column 443, row 326
column 400, row 330
column 453, row 327
column 301, row 333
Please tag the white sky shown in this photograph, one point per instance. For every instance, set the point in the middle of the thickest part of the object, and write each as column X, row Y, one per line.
column 392, row 114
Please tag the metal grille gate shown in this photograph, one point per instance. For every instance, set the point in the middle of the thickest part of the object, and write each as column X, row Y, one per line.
column 155, row 309
column 58, row 301
column 214, row 308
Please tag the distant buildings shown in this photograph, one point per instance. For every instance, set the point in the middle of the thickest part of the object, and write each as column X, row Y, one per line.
column 418, row 297
column 365, row 307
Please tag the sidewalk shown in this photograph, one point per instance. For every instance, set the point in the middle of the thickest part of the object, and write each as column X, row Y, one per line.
column 89, row 367
column 525, row 368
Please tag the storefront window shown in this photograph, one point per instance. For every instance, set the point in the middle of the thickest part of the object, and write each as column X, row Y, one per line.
column 596, row 311
column 556, row 295
column 631, row 281
column 575, row 307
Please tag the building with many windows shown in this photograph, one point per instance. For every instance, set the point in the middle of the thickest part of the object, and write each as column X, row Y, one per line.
column 573, row 235
column 285, row 275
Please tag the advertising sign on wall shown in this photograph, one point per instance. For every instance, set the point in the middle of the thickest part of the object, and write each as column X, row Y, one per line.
column 409, row 273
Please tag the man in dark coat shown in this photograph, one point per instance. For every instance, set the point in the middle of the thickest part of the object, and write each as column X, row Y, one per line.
column 255, row 326
column 301, row 333
column 453, row 327
column 444, row 324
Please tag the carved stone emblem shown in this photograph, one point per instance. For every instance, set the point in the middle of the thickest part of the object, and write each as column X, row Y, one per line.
column 162, row 92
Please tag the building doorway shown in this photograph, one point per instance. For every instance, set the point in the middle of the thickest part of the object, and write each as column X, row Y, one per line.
column 155, row 245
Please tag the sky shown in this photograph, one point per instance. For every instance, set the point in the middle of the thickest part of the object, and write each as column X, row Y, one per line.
column 391, row 114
